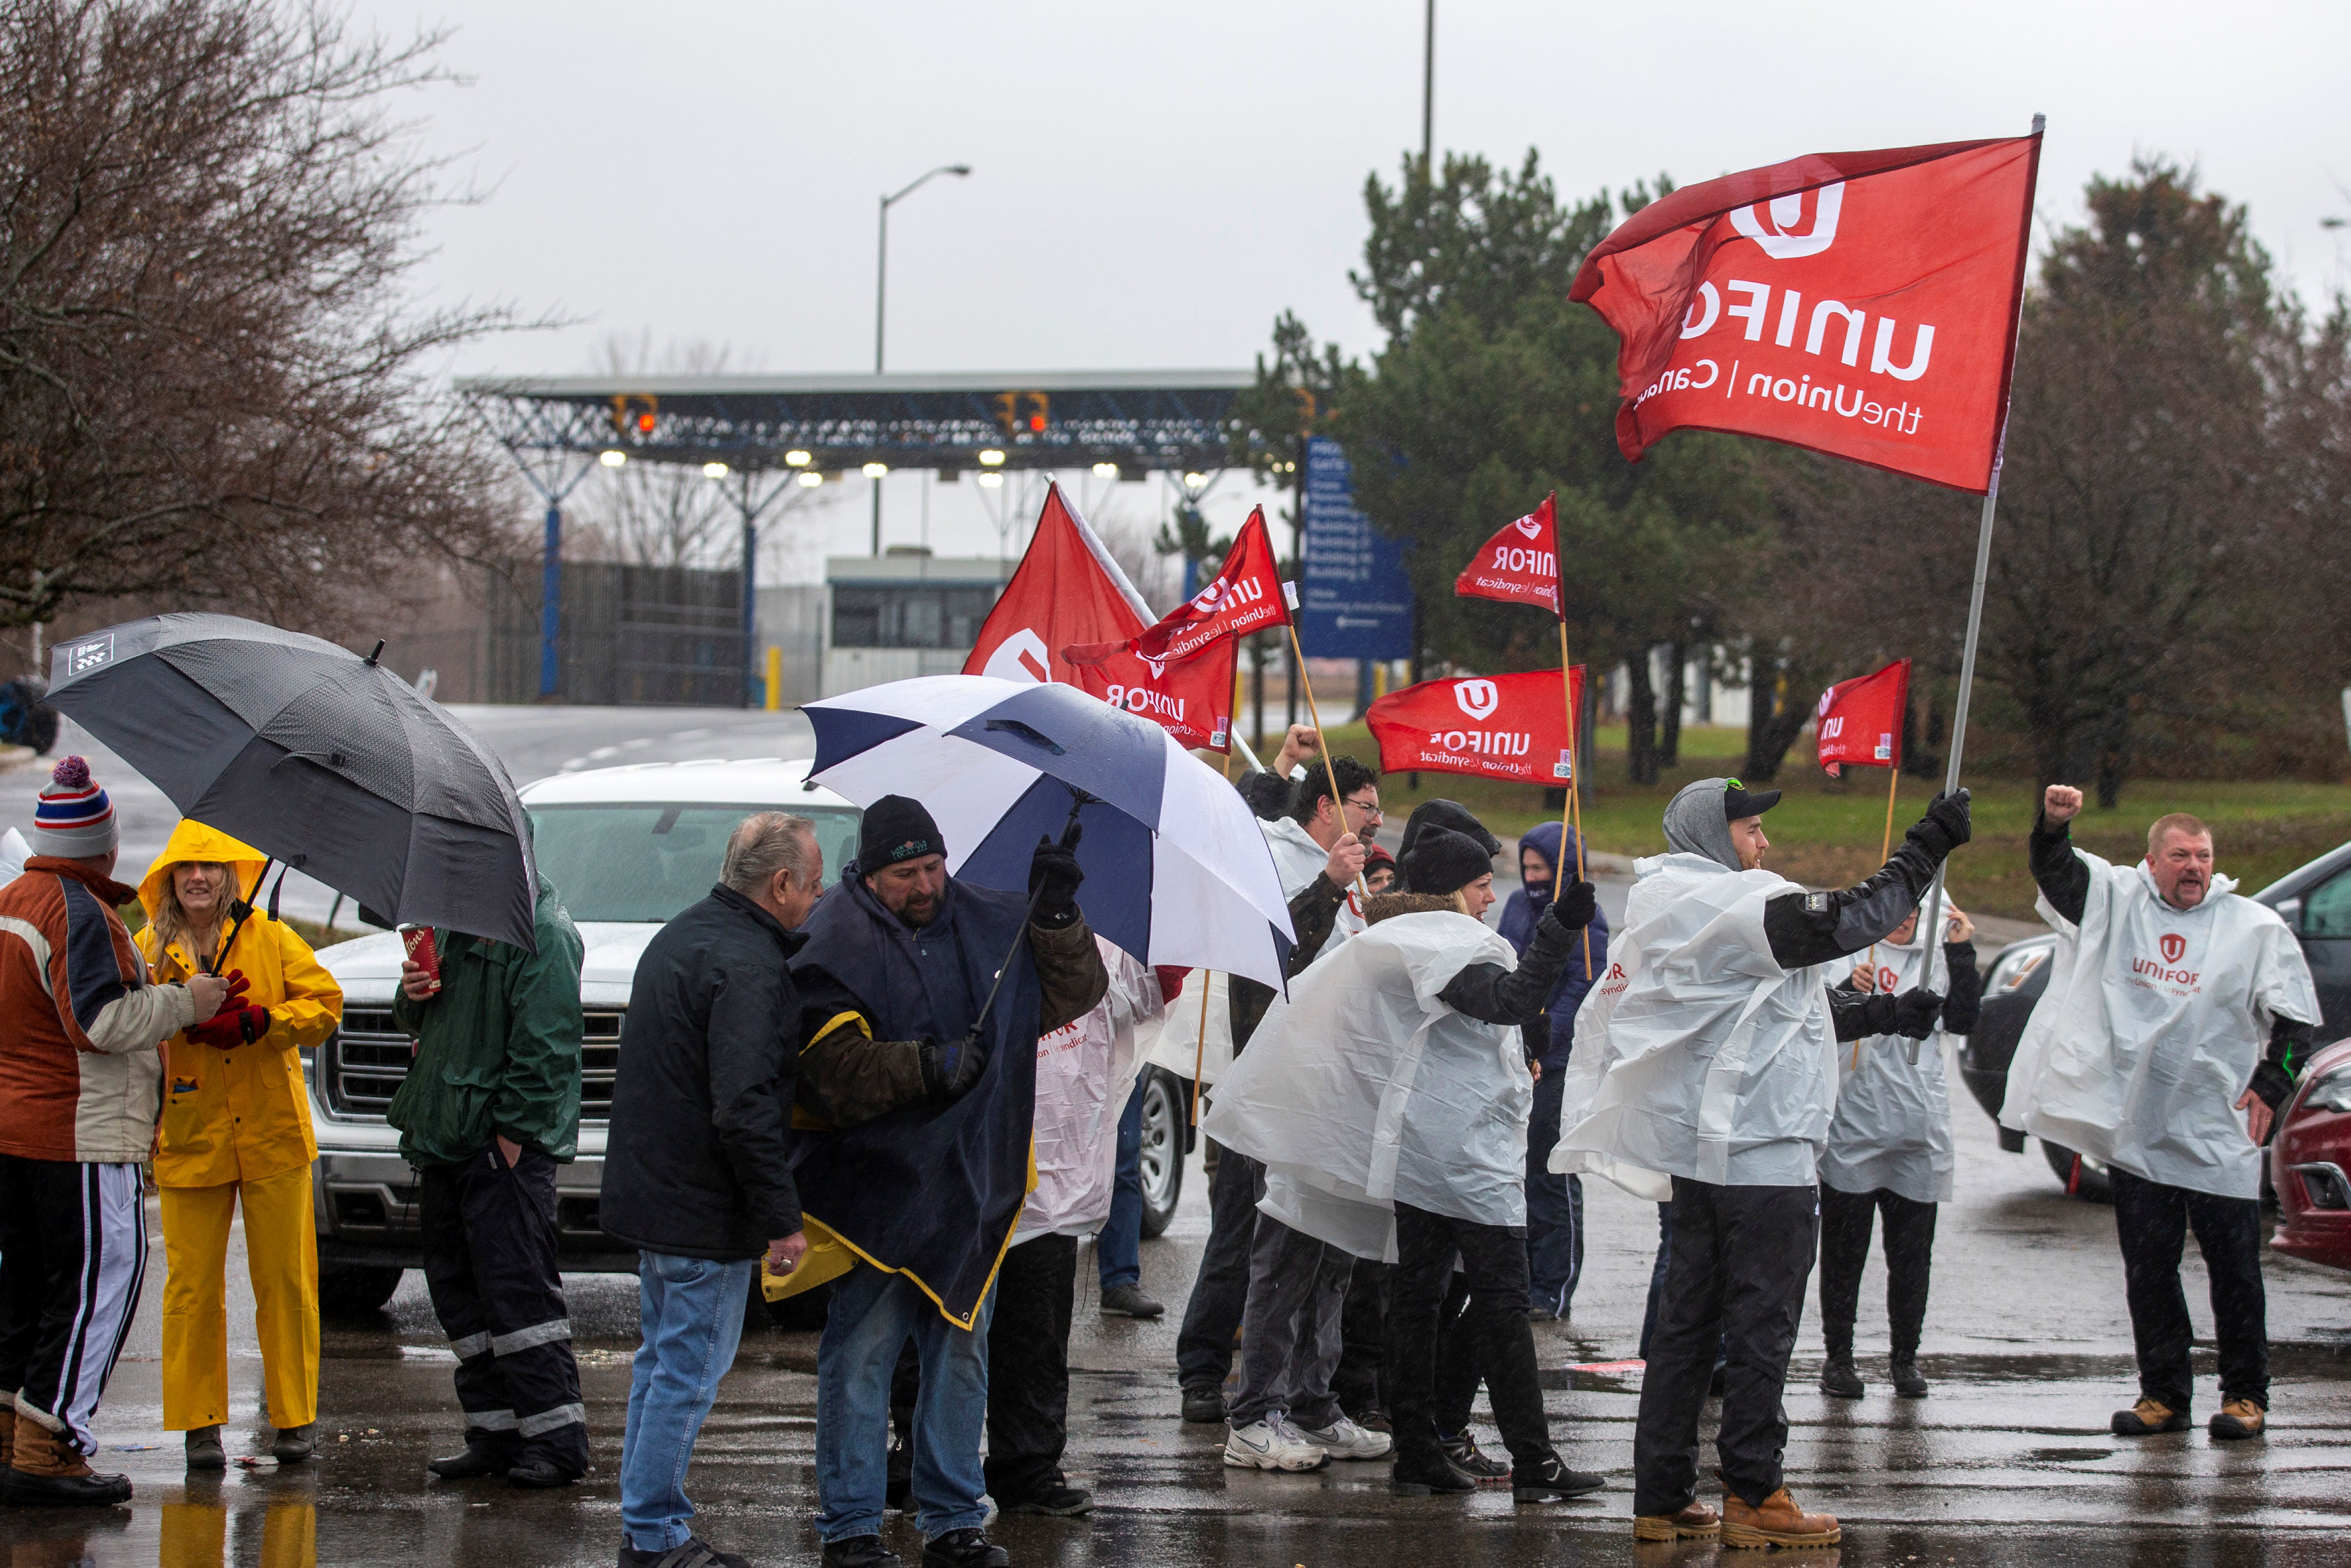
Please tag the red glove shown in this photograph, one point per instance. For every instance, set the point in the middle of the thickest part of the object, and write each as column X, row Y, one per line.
column 240, row 1026
column 1171, row 981
column 237, row 986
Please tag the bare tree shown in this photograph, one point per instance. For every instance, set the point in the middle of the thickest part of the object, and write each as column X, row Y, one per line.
column 210, row 384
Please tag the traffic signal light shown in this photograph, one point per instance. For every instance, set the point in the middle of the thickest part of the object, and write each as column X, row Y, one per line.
column 633, row 413
column 1020, row 413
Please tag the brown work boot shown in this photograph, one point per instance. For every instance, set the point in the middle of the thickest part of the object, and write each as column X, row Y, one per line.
column 2148, row 1417
column 1779, row 1522
column 1695, row 1522
column 44, row 1470
column 2238, row 1418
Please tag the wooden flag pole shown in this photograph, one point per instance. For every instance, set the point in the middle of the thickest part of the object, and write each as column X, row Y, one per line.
column 1570, row 810
column 1200, row 1051
column 1330, row 773
column 1893, row 779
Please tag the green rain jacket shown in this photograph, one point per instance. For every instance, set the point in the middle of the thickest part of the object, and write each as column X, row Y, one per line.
column 498, row 1047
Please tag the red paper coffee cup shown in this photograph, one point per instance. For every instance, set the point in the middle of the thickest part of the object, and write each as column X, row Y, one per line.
column 418, row 940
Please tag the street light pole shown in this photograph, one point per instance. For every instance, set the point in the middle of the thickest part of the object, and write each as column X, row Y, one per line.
column 1429, row 93
column 882, row 292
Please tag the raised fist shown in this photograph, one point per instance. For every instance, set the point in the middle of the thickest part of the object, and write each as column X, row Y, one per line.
column 1944, row 828
column 2061, row 802
column 1346, row 862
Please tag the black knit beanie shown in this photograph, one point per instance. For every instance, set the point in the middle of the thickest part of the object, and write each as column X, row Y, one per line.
column 1443, row 861
column 896, row 829
column 1447, row 814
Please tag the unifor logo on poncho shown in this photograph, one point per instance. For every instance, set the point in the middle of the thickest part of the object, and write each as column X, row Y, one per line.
column 2174, row 947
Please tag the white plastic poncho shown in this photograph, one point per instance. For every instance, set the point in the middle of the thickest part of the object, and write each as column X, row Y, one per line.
column 2152, row 1024
column 1892, row 1122
column 1707, row 1060
column 1086, row 1070
column 1362, row 1090
column 1180, row 1045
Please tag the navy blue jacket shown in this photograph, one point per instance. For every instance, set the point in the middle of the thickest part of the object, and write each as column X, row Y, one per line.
column 1518, row 926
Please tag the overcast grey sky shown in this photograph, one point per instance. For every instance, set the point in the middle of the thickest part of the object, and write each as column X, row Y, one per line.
column 1152, row 184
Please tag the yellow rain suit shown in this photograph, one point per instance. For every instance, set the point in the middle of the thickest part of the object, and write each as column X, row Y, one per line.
column 236, row 1129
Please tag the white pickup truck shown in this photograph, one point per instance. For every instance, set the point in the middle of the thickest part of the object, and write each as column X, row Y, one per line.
column 626, row 847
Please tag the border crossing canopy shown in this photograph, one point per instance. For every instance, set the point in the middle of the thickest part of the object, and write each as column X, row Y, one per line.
column 1149, row 420
column 765, row 430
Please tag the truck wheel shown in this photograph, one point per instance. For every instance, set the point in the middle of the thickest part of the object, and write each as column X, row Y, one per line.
column 1163, row 1148
column 2082, row 1176
column 356, row 1289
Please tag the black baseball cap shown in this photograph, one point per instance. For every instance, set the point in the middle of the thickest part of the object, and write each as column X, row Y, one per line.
column 1739, row 801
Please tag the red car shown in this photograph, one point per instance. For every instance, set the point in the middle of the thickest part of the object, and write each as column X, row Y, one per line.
column 2309, row 1159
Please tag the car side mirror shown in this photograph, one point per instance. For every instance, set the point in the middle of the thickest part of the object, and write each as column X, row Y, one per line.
column 2290, row 911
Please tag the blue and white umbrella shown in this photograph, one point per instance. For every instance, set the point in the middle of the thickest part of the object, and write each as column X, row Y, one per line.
column 1176, row 871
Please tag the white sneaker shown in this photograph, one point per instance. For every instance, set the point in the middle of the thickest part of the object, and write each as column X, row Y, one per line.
column 1343, row 1439
column 1272, row 1446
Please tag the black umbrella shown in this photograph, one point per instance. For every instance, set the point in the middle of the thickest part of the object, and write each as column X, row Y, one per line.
column 316, row 757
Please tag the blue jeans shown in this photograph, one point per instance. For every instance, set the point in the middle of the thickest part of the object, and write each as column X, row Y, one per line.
column 692, row 1312
column 1119, row 1248
column 1554, row 1206
column 872, row 1316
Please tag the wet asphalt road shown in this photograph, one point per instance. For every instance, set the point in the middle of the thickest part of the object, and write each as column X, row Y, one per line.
column 2008, row 1462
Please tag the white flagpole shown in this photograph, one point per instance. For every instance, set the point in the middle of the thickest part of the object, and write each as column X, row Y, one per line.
column 1933, row 930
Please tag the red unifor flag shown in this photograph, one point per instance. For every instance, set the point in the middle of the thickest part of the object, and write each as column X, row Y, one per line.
column 1861, row 304
column 1520, row 565
column 1495, row 726
column 1860, row 720
column 1068, row 589
column 1246, row 595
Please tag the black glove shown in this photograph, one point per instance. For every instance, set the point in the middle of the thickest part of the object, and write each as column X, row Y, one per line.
column 1053, row 878
column 1573, row 911
column 950, row 1070
column 1915, row 1012
column 2270, row 1084
column 1944, row 828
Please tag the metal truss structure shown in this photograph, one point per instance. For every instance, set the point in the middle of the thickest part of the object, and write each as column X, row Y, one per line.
column 1173, row 421
column 765, row 430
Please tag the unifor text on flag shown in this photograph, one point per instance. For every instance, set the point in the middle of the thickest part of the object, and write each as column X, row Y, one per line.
column 1860, row 720
column 1494, row 726
column 1068, row 589
column 1861, row 304
column 1520, row 565
column 1245, row 596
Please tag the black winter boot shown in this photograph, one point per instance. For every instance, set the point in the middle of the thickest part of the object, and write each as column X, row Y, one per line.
column 966, row 1548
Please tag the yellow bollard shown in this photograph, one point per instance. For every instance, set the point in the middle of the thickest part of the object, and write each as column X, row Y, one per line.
column 775, row 678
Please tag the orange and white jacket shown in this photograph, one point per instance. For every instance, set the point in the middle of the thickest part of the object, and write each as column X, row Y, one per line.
column 80, row 1074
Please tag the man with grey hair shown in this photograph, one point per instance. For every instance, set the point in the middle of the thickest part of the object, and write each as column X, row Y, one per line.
column 694, row 1171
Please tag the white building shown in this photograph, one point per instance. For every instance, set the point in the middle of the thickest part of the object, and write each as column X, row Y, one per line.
column 877, row 618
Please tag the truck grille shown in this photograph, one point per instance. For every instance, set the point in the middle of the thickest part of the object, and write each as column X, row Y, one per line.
column 366, row 1060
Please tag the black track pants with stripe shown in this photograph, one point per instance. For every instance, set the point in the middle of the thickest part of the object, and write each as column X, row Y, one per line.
column 73, row 1252
column 489, row 1262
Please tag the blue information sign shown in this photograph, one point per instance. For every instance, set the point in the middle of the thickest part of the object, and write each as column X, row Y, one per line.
column 1355, row 601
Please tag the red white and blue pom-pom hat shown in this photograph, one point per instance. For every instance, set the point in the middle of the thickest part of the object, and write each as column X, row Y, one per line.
column 75, row 819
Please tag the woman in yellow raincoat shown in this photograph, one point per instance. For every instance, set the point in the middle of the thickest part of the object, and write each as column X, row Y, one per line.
column 236, row 1129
